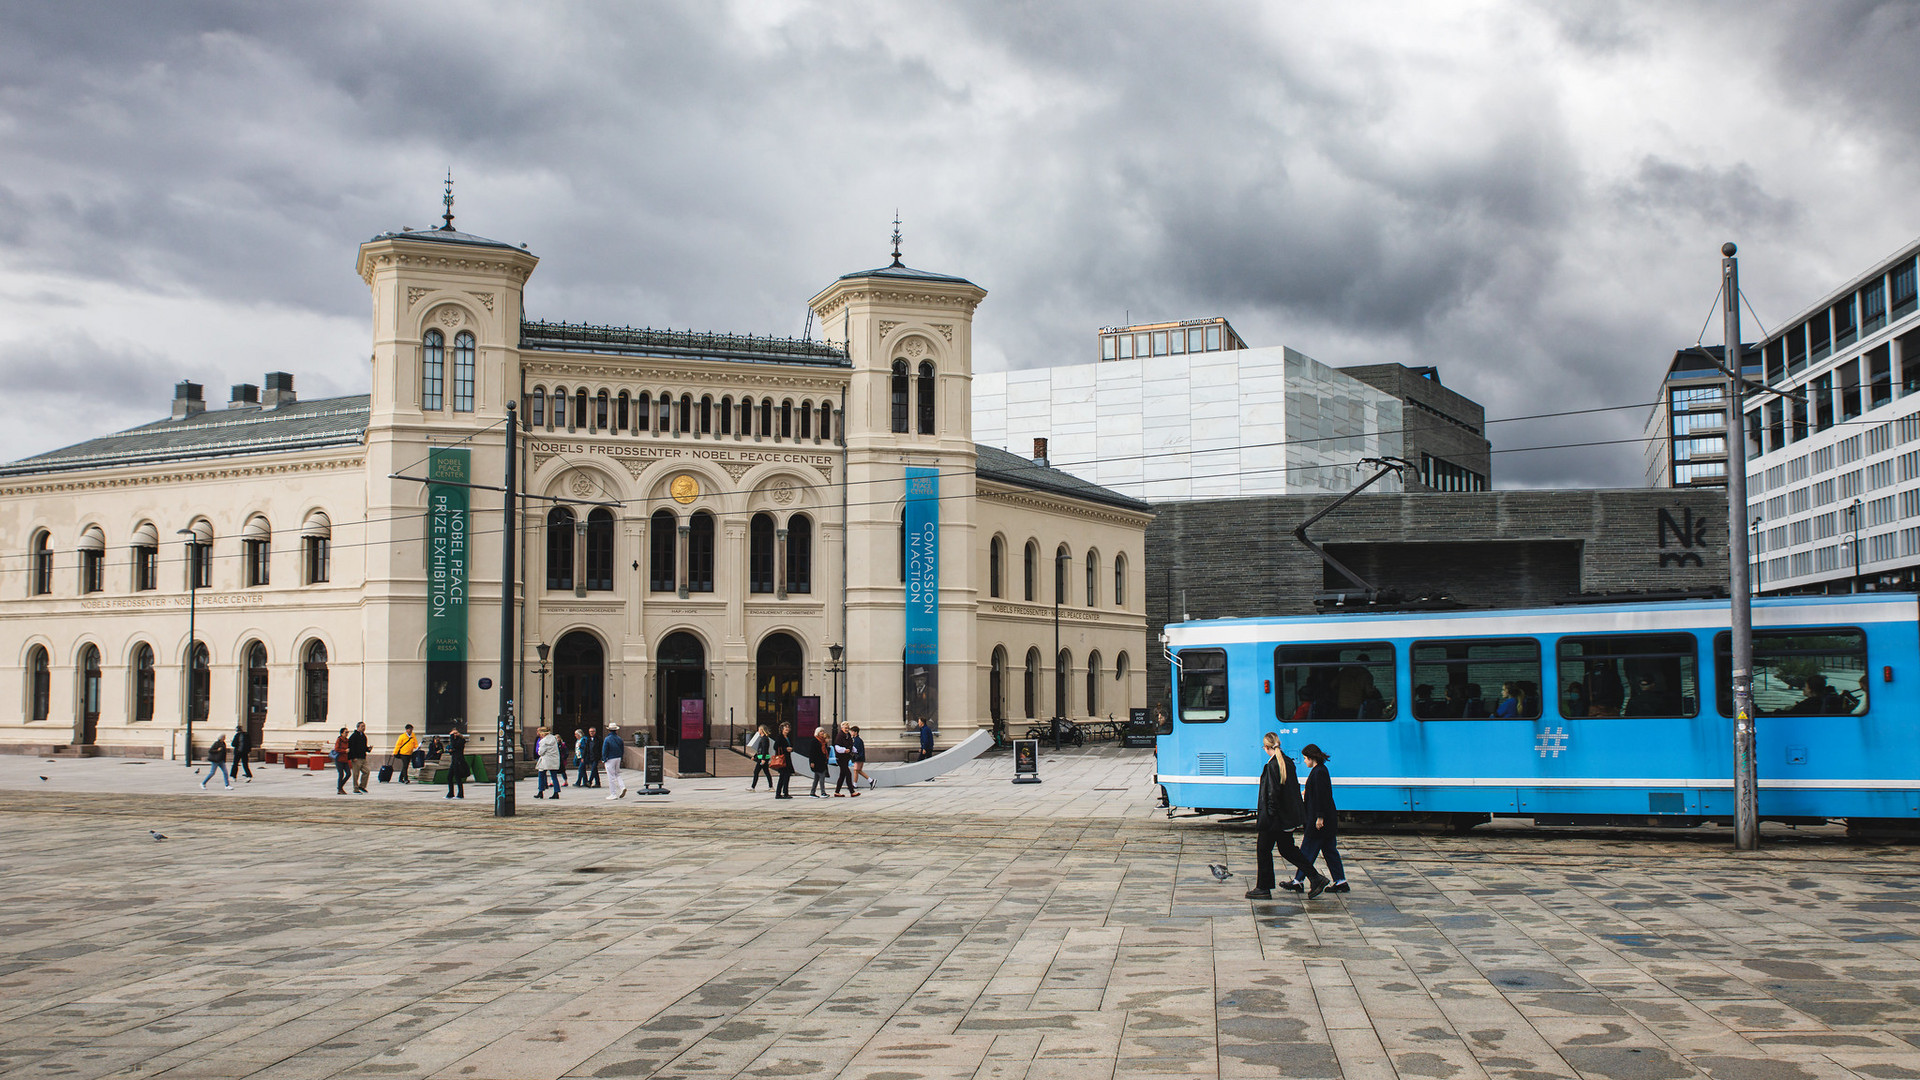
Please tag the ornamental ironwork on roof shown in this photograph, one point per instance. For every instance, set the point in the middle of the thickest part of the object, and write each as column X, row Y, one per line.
column 678, row 344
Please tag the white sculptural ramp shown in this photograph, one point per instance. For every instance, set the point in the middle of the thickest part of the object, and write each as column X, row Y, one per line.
column 913, row 772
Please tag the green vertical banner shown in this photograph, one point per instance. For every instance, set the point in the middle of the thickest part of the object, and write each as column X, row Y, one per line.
column 922, row 527
column 447, row 552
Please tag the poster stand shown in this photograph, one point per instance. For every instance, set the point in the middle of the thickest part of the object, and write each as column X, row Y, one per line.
column 1026, row 761
column 654, row 770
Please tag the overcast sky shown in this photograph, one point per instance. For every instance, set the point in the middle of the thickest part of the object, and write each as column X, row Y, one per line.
column 1530, row 196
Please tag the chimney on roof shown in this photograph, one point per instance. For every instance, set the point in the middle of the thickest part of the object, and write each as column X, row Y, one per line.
column 279, row 390
column 1039, row 451
column 187, row 400
column 245, row 396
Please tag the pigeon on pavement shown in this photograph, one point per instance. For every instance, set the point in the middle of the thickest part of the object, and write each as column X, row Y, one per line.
column 1220, row 872
column 157, row 836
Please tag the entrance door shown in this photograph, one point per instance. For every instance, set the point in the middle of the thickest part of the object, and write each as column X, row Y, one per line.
column 256, row 694
column 89, row 694
column 776, row 680
column 682, row 663
column 579, row 683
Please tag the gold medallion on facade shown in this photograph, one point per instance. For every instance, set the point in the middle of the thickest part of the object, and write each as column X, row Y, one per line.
column 685, row 489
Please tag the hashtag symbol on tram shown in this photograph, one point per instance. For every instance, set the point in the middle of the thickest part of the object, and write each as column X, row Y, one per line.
column 1552, row 739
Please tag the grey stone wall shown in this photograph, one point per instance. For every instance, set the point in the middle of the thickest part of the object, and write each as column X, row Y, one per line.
column 1435, row 420
column 1225, row 558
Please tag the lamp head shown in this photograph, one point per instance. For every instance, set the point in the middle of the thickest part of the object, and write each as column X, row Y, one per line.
column 834, row 652
column 543, row 649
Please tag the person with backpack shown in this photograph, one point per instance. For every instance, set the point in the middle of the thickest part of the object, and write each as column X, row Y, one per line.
column 760, row 746
column 612, row 749
column 859, row 759
column 217, row 760
column 403, row 751
column 816, row 752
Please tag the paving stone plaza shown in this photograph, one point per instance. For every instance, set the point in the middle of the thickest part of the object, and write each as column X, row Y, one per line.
column 964, row 928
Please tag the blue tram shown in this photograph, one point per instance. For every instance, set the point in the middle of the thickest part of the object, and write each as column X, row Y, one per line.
column 1617, row 712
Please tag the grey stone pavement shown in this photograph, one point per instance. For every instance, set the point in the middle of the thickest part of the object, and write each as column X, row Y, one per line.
column 966, row 928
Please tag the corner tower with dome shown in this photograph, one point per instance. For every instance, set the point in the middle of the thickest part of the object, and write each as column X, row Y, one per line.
column 710, row 516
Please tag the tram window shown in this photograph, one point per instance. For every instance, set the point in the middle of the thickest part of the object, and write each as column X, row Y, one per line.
column 1476, row 679
column 1629, row 675
column 1342, row 681
column 1799, row 673
column 1203, row 686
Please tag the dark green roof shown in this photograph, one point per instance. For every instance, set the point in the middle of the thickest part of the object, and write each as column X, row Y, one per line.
column 907, row 273
column 999, row 466
column 300, row 425
column 443, row 236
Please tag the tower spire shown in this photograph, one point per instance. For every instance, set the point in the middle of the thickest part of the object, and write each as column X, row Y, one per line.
column 448, row 200
column 896, row 241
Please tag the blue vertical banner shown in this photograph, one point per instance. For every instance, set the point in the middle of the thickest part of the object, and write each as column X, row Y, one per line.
column 921, row 524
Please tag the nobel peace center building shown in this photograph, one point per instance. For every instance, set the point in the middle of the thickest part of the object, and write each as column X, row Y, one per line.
column 716, row 530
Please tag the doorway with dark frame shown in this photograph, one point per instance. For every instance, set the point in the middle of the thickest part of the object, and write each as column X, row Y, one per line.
column 682, row 673
column 579, row 683
column 256, row 695
column 778, row 671
column 89, row 694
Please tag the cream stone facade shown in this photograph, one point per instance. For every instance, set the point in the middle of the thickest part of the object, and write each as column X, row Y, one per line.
column 705, row 517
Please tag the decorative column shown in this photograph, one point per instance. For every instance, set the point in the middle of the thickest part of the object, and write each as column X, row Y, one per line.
column 780, row 563
column 684, row 532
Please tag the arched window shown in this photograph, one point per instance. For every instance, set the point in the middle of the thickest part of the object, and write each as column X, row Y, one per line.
column 463, row 372
column 257, row 686
column 746, row 416
column 433, row 371
column 316, row 537
column 900, row 396
column 766, row 416
column 142, row 683
column 663, row 416
column 199, row 682
column 706, row 415
column 926, row 397
column 700, row 553
column 1062, row 684
column 786, row 419
column 93, row 559
column 200, row 555
column 760, row 554
column 40, row 581
column 1120, row 671
column 997, row 684
column 1093, row 683
column 623, row 412
column 806, row 419
column 1031, row 686
column 996, row 565
column 580, row 408
column 726, row 415
column 602, row 411
column 146, row 557
column 599, row 550
column 1093, row 579
column 560, row 548
column 313, row 670
column 1033, row 571
column 89, row 690
column 560, row 414
column 662, row 573
column 537, row 409
column 1120, row 581
column 643, row 414
column 39, row 683
column 686, row 413
column 826, row 419
column 800, row 554
column 1061, row 560
column 256, row 549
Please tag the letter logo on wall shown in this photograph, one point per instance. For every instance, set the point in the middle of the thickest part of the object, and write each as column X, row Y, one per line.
column 1688, row 533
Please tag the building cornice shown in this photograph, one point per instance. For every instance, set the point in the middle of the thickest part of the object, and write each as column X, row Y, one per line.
column 69, row 482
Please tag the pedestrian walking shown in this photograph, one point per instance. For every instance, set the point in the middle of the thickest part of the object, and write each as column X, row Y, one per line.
column 566, row 755
column 403, row 750
column 340, row 763
column 547, row 747
column 590, row 755
column 242, row 746
column 612, row 749
column 859, row 758
column 843, row 757
column 457, row 768
column 817, row 752
column 1322, row 817
column 782, row 761
column 217, row 759
column 760, row 746
column 357, row 756
column 1278, row 812
column 926, row 739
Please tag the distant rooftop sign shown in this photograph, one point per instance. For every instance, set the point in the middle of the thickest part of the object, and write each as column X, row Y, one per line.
column 1168, row 339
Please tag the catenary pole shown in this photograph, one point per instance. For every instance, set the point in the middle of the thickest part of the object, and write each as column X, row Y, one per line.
column 503, row 776
column 1746, row 811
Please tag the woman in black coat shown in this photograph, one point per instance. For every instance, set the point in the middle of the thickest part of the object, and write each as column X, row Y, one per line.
column 1321, row 819
column 1278, row 813
column 783, row 760
column 457, row 768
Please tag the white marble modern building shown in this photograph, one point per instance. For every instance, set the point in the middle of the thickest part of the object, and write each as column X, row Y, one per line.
column 1266, row 421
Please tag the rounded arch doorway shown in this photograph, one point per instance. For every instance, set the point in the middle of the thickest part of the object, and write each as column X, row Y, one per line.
column 682, row 675
column 777, row 671
column 579, row 683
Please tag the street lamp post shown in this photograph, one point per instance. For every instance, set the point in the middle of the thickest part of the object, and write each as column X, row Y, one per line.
column 1059, row 678
column 1853, row 515
column 834, row 668
column 542, row 650
column 193, row 588
column 1746, row 802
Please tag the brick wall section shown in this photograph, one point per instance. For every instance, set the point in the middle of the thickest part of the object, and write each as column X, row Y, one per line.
column 1238, row 557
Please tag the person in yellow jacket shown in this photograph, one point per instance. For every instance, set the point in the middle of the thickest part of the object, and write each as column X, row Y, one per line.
column 404, row 751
